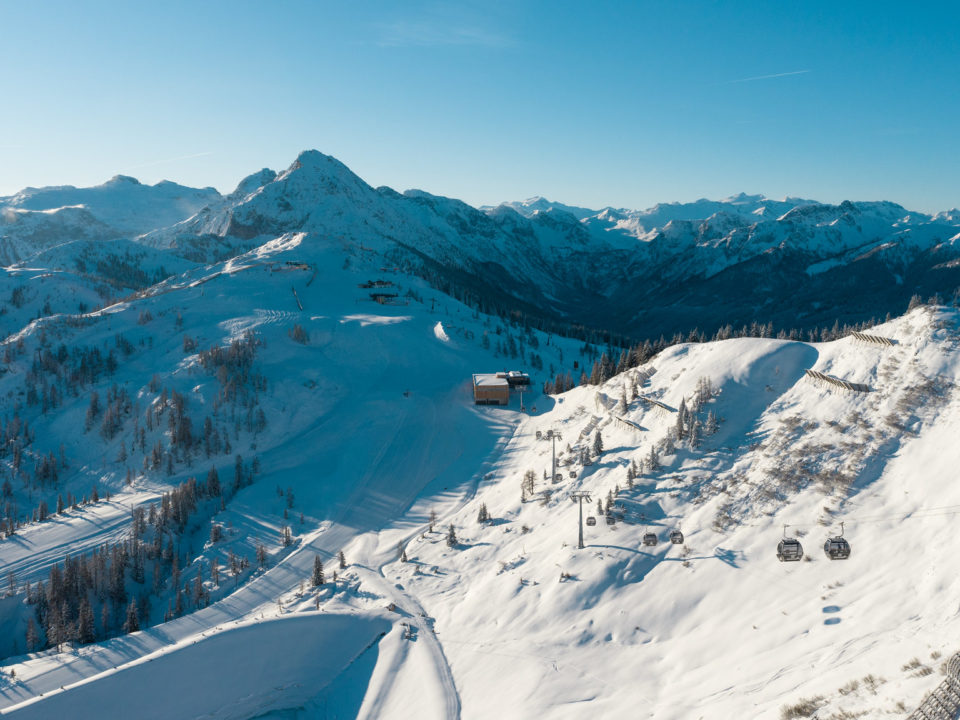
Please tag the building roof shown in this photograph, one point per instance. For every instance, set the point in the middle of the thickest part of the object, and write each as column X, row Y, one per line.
column 490, row 380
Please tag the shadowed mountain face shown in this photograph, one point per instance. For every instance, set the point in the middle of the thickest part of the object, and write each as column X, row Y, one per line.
column 675, row 267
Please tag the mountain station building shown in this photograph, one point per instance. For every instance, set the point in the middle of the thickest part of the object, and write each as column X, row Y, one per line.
column 491, row 389
column 494, row 388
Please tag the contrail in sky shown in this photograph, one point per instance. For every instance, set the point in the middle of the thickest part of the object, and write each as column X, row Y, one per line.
column 765, row 77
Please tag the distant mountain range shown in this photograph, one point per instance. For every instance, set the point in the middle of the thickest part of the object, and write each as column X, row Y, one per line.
column 796, row 263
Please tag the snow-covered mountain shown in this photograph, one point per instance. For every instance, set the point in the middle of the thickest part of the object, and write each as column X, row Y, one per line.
column 335, row 423
column 122, row 203
column 672, row 268
column 532, row 206
column 23, row 233
column 565, row 262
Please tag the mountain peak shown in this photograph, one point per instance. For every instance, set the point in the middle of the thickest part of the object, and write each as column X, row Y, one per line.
column 313, row 167
column 122, row 180
column 313, row 160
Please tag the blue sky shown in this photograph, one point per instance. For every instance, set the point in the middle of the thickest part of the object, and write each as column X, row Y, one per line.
column 602, row 103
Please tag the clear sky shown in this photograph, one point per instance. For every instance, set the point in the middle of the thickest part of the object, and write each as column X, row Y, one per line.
column 591, row 103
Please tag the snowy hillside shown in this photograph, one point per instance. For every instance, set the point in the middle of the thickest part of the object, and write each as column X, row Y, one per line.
column 23, row 233
column 676, row 267
column 250, row 433
column 532, row 206
column 122, row 203
column 716, row 627
column 568, row 263
column 236, row 422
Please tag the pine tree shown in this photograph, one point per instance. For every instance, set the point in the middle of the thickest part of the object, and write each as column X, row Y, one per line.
column 261, row 555
column 55, row 628
column 653, row 460
column 213, row 483
column 695, row 433
column 682, row 420
column 483, row 516
column 597, row 444
column 33, row 638
column 287, row 537
column 132, row 623
column 433, row 518
column 451, row 537
column 668, row 446
column 197, row 590
column 85, row 622
column 237, row 473
column 317, row 571
column 711, row 426
column 342, row 559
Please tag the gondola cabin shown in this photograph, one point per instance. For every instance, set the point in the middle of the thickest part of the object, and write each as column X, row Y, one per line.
column 611, row 520
column 789, row 550
column 591, row 521
column 676, row 537
column 650, row 539
column 837, row 548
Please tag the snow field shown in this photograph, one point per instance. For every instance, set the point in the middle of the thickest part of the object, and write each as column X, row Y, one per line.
column 715, row 628
column 253, row 669
column 371, row 426
column 374, row 410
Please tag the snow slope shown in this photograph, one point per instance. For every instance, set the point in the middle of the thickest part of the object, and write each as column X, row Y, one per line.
column 370, row 413
column 369, row 429
column 669, row 268
column 295, row 660
column 372, row 427
column 123, row 203
column 717, row 628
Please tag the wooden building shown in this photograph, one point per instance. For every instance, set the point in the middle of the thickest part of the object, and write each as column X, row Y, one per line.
column 491, row 389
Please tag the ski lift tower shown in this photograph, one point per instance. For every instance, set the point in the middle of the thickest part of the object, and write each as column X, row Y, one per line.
column 578, row 496
column 553, row 435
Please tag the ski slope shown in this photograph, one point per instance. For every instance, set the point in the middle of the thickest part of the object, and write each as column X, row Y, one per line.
column 716, row 628
column 371, row 426
column 368, row 416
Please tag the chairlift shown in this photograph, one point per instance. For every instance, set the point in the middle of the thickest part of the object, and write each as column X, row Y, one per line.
column 676, row 537
column 837, row 547
column 611, row 520
column 573, row 474
column 591, row 521
column 789, row 549
column 650, row 539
